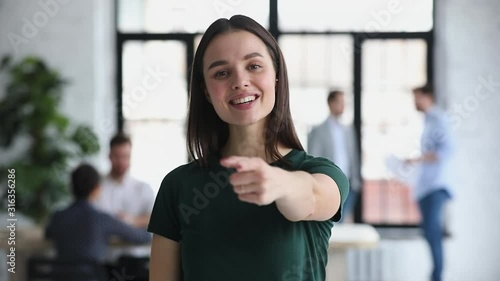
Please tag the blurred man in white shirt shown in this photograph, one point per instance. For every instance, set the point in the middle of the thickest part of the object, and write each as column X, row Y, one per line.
column 125, row 197
column 122, row 195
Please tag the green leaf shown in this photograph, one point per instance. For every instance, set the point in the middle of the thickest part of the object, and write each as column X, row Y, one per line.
column 5, row 62
column 86, row 140
column 33, row 92
column 61, row 122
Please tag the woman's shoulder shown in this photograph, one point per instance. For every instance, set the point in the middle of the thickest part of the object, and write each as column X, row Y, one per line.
column 186, row 174
column 297, row 159
column 301, row 160
column 183, row 170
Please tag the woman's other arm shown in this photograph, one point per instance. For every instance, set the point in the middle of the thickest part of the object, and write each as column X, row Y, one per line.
column 165, row 262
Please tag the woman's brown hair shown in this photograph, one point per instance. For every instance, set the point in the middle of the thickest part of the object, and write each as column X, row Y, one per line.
column 206, row 132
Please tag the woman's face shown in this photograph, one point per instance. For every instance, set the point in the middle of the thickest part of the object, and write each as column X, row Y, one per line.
column 240, row 78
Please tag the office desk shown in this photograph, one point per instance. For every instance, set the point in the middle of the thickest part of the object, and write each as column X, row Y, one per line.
column 29, row 242
column 345, row 237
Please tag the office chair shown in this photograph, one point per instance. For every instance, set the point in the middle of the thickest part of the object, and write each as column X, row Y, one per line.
column 134, row 266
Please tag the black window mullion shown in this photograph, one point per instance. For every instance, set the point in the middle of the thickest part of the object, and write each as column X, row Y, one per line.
column 430, row 58
column 273, row 19
column 189, row 61
column 357, row 65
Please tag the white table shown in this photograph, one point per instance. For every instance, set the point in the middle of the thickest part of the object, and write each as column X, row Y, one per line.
column 345, row 237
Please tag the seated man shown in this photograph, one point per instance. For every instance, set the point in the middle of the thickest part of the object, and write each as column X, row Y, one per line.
column 81, row 231
column 122, row 195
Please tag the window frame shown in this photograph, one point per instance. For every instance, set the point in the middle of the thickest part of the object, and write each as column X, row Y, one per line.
column 358, row 39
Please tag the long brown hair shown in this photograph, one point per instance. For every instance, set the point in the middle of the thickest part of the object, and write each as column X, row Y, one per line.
column 207, row 133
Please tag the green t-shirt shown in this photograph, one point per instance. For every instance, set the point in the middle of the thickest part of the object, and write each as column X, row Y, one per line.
column 225, row 239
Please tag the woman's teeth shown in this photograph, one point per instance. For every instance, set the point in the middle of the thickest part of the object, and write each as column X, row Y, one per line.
column 244, row 100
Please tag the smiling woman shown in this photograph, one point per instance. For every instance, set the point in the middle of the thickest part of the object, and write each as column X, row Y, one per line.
column 252, row 205
column 240, row 78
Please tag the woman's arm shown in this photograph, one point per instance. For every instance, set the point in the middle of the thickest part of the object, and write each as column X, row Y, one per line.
column 298, row 195
column 308, row 196
column 165, row 260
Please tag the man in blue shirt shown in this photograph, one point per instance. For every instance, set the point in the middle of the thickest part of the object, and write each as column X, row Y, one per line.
column 81, row 231
column 434, row 184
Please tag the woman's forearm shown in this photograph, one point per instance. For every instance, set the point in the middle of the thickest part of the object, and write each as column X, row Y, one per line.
column 308, row 196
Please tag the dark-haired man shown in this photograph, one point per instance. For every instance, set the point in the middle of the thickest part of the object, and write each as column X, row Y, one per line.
column 338, row 142
column 122, row 195
column 433, row 188
column 81, row 231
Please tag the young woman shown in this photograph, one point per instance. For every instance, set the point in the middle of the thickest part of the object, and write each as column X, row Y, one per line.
column 252, row 205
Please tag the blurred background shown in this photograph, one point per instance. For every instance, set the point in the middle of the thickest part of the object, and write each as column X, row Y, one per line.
column 126, row 66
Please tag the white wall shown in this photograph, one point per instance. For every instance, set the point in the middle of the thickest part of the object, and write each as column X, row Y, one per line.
column 467, row 55
column 76, row 38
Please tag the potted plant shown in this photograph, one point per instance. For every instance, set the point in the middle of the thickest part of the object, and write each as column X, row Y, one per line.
column 29, row 110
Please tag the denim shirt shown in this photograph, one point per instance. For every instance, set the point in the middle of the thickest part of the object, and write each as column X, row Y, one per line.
column 436, row 138
column 82, row 232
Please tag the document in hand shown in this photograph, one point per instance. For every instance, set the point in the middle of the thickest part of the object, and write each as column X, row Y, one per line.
column 399, row 170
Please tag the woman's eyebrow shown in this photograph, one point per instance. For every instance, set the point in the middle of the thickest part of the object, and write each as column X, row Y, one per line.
column 252, row 55
column 217, row 63
column 223, row 62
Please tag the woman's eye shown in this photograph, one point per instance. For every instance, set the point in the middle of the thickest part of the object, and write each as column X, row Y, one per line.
column 220, row 74
column 255, row 66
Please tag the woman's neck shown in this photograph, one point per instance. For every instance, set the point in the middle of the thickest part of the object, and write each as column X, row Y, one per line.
column 249, row 141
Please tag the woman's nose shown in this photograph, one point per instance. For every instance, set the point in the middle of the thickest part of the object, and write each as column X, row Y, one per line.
column 240, row 80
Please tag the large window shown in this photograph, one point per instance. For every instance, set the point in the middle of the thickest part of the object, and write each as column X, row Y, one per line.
column 154, row 104
column 375, row 51
column 184, row 16
column 390, row 126
column 355, row 15
column 317, row 64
